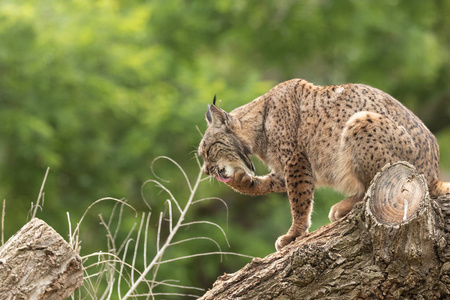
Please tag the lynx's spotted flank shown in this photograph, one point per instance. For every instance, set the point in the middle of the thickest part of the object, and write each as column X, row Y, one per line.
column 309, row 135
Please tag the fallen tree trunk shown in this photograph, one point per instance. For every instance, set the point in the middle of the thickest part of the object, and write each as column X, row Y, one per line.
column 393, row 245
column 37, row 263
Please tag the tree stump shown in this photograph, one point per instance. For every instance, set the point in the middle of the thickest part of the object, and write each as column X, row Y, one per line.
column 392, row 245
column 36, row 263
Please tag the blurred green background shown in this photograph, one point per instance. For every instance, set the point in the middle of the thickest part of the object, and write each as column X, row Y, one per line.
column 96, row 89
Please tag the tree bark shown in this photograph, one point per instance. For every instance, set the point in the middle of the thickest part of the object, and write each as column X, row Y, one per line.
column 36, row 263
column 392, row 245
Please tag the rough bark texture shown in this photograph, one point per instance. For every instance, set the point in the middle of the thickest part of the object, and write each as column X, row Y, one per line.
column 36, row 263
column 393, row 245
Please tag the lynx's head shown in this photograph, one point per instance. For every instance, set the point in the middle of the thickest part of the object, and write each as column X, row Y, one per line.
column 220, row 148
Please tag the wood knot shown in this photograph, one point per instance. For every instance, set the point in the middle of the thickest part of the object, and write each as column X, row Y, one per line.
column 396, row 193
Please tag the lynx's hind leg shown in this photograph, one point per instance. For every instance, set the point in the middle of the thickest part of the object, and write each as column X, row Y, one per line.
column 368, row 142
column 342, row 208
column 441, row 188
column 371, row 141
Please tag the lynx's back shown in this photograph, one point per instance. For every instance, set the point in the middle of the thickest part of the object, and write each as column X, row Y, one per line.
column 355, row 122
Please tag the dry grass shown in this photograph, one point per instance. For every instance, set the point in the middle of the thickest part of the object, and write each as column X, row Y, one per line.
column 115, row 274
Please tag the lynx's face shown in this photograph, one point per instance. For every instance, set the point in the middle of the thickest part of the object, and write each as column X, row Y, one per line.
column 221, row 150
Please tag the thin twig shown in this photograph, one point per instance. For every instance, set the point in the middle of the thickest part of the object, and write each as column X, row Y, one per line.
column 209, row 223
column 204, row 254
column 3, row 221
column 147, row 225
column 136, row 247
column 33, row 215
column 177, row 165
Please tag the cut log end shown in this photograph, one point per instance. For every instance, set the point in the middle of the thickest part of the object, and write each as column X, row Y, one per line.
column 37, row 263
column 396, row 194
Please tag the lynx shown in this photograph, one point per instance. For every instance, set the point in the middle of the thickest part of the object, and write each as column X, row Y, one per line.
column 308, row 136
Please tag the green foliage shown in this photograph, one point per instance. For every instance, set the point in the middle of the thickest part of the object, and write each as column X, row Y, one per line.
column 97, row 89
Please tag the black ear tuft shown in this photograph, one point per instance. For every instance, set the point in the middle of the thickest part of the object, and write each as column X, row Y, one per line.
column 208, row 115
column 214, row 100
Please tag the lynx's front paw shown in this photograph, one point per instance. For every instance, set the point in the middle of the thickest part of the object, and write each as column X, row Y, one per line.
column 241, row 181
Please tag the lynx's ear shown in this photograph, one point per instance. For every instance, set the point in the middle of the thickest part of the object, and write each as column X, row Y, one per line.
column 216, row 116
column 208, row 112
